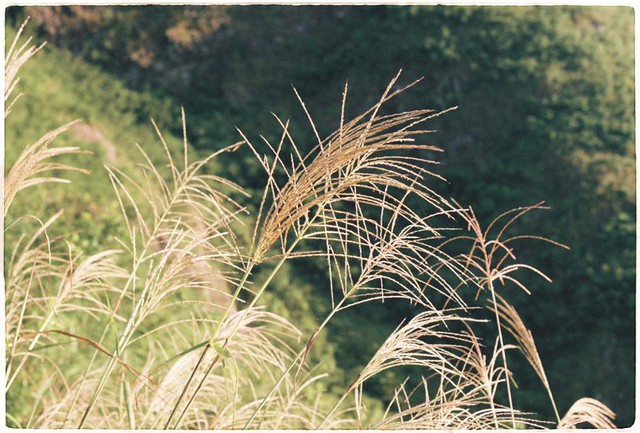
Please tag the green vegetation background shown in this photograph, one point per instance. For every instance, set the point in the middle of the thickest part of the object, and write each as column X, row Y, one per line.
column 546, row 112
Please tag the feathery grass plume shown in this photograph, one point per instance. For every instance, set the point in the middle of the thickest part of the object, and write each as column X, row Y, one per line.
column 361, row 162
column 391, row 262
column 60, row 411
column 28, row 259
column 260, row 345
column 456, row 415
column 44, row 281
column 294, row 407
column 464, row 396
column 34, row 159
column 465, row 384
column 420, row 343
column 54, row 409
column 492, row 261
column 286, row 411
column 491, row 257
column 41, row 280
column 460, row 407
column 588, row 411
column 15, row 58
column 71, row 285
column 388, row 271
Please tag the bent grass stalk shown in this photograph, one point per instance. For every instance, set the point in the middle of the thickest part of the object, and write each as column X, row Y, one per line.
column 503, row 352
column 338, row 403
column 218, row 355
column 298, row 356
column 130, row 283
column 234, row 330
column 209, row 344
column 111, row 363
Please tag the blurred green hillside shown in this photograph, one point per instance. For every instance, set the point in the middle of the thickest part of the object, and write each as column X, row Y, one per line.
column 546, row 112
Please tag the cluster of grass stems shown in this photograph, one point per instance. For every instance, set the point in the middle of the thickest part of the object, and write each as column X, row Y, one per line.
column 179, row 290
